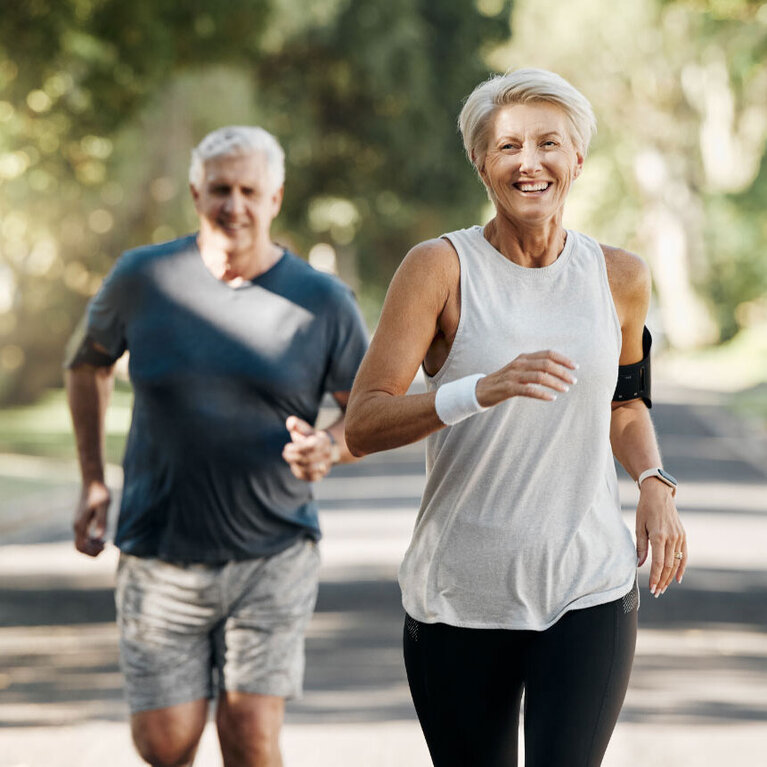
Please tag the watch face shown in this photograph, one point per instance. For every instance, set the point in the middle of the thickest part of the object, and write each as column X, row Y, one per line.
column 668, row 477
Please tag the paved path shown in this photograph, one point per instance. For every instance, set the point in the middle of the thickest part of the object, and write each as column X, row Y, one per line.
column 698, row 694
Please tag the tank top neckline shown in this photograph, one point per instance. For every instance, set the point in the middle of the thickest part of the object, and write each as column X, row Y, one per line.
column 527, row 272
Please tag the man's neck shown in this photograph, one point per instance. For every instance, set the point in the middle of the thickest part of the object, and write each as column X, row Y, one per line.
column 235, row 267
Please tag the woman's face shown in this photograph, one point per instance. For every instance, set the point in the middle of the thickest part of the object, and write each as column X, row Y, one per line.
column 531, row 161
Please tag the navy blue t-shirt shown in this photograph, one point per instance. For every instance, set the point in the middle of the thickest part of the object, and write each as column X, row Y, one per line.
column 216, row 371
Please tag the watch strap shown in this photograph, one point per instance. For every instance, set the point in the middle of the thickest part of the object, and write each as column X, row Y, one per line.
column 662, row 475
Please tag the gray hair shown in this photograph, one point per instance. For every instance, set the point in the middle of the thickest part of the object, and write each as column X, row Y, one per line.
column 238, row 140
column 523, row 86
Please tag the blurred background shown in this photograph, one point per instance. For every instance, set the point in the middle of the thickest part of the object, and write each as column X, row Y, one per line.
column 100, row 104
column 101, row 101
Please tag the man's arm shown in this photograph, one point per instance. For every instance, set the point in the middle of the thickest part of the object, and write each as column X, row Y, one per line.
column 89, row 388
column 312, row 452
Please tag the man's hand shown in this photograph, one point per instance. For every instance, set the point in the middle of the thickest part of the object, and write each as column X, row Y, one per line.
column 658, row 524
column 310, row 452
column 91, row 518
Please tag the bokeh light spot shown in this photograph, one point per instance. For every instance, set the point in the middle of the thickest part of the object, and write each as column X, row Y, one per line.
column 11, row 358
column 39, row 101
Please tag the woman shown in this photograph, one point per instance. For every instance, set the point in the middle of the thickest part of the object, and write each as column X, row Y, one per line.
column 521, row 573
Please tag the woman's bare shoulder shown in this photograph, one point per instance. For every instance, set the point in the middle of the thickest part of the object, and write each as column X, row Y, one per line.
column 437, row 253
column 430, row 270
column 628, row 274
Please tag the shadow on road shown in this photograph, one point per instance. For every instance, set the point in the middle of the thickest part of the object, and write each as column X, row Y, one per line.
column 701, row 656
column 62, row 649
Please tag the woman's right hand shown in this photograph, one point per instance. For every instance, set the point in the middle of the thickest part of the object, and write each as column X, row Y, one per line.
column 538, row 375
column 423, row 303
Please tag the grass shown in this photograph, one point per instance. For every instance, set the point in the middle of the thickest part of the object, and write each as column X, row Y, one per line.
column 45, row 429
column 737, row 369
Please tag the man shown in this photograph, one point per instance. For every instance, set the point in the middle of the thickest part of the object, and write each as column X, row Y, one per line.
column 233, row 341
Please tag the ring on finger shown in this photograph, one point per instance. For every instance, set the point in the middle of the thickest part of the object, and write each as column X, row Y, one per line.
column 679, row 555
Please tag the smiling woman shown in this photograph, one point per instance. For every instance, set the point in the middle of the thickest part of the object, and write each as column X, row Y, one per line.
column 521, row 574
column 529, row 163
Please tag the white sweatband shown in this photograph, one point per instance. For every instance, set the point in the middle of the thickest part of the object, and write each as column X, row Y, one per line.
column 458, row 399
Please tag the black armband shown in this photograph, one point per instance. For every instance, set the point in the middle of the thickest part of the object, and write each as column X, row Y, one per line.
column 87, row 353
column 634, row 381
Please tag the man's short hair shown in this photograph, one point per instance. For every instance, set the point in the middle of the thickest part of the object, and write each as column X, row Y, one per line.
column 238, row 140
column 523, row 86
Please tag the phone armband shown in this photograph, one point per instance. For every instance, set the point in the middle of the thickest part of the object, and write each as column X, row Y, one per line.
column 634, row 381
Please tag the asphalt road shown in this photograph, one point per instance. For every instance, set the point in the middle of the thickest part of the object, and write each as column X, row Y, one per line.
column 698, row 694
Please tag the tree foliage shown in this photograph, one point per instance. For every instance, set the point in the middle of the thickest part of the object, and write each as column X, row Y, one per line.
column 679, row 90
column 101, row 100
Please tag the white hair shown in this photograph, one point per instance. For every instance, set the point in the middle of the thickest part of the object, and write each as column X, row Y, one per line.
column 238, row 140
column 523, row 86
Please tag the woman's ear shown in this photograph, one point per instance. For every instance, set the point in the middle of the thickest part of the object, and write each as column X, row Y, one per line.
column 480, row 167
column 578, row 163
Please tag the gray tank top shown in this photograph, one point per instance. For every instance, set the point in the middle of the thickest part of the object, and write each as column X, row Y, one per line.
column 520, row 519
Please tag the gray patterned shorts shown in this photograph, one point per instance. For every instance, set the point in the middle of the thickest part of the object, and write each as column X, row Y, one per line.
column 188, row 630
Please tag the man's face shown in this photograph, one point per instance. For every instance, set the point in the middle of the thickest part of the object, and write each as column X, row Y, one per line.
column 237, row 202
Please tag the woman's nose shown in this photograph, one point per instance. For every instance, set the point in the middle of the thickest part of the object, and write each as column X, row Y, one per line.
column 529, row 159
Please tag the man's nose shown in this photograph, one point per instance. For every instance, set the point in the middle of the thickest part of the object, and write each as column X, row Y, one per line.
column 234, row 202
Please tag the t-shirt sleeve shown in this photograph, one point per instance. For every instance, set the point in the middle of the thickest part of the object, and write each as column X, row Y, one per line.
column 348, row 345
column 105, row 317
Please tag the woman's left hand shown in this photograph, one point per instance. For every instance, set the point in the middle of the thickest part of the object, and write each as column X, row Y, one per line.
column 658, row 526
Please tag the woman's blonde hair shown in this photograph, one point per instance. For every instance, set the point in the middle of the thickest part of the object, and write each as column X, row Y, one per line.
column 523, row 86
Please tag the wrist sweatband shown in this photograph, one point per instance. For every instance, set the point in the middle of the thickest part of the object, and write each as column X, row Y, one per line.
column 458, row 399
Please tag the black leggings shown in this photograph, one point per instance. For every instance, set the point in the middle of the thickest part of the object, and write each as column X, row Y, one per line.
column 467, row 686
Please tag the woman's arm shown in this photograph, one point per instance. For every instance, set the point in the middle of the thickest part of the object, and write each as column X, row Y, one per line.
column 632, row 434
column 419, row 318
column 380, row 415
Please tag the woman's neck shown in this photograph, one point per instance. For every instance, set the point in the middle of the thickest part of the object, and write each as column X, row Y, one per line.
column 529, row 245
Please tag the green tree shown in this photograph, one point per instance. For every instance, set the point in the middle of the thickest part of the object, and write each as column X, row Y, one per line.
column 101, row 100
column 678, row 87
